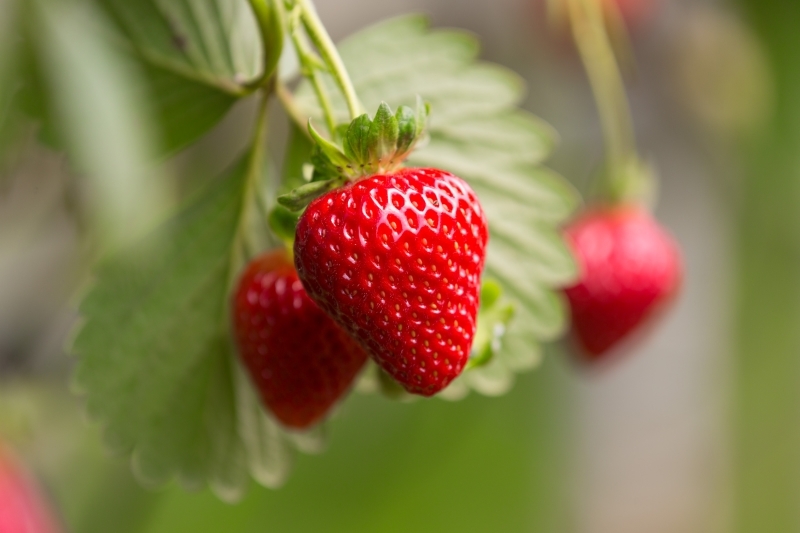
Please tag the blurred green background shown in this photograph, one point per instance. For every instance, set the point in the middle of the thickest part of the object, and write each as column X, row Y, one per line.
column 697, row 430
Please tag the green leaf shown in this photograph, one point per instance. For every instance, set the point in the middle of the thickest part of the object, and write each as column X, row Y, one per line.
column 8, row 51
column 383, row 133
column 152, row 355
column 298, row 153
column 97, row 108
column 186, row 109
column 478, row 133
column 216, row 42
column 155, row 359
column 198, row 57
column 186, row 104
column 283, row 223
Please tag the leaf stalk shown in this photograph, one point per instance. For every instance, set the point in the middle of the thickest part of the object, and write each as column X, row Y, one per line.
column 605, row 78
column 322, row 41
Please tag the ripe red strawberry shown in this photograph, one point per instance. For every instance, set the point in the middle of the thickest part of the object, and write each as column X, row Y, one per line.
column 22, row 507
column 300, row 361
column 630, row 268
column 396, row 259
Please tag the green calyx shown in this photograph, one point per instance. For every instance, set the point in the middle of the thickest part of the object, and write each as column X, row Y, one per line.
column 371, row 146
column 494, row 315
column 368, row 146
column 632, row 181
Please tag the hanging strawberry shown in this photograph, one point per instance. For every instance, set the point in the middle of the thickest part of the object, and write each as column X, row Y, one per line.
column 393, row 255
column 300, row 361
column 630, row 266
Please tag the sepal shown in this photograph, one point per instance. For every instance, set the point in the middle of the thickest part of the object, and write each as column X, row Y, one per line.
column 494, row 316
column 370, row 146
column 303, row 195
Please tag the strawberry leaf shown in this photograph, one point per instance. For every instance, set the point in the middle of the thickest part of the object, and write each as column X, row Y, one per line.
column 198, row 57
column 216, row 42
column 478, row 133
column 155, row 360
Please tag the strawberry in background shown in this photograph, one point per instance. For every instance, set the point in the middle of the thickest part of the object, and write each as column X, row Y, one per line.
column 23, row 508
column 630, row 269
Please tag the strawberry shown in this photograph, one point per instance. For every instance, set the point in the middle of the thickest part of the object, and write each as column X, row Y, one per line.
column 300, row 361
column 630, row 268
column 393, row 255
column 22, row 507
column 396, row 260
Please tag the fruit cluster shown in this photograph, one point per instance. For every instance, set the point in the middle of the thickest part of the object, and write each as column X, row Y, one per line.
column 388, row 264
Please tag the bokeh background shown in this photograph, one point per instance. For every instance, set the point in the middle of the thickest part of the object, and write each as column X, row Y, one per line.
column 695, row 429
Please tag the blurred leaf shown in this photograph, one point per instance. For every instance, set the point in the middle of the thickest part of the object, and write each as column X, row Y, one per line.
column 155, row 356
column 213, row 41
column 198, row 56
column 479, row 134
column 101, row 116
column 493, row 318
column 186, row 109
column 9, row 86
column 298, row 152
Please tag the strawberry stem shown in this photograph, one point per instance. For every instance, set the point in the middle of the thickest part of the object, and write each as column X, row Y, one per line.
column 310, row 65
column 322, row 41
column 254, row 173
column 597, row 54
column 271, row 27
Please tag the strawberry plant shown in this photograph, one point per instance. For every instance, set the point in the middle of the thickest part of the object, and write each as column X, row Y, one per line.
column 173, row 365
column 407, row 240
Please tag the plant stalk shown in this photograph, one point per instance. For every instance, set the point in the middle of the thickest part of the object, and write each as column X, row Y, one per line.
column 310, row 66
column 605, row 78
column 322, row 41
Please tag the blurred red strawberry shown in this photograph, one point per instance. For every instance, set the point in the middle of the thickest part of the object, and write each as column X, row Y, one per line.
column 630, row 268
column 23, row 508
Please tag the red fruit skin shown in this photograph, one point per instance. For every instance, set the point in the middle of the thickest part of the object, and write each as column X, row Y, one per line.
column 630, row 269
column 396, row 260
column 300, row 361
column 22, row 507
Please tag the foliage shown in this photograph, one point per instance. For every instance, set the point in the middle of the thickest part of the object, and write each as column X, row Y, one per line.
column 154, row 355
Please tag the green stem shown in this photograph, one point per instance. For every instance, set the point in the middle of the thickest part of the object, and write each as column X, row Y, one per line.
column 597, row 54
column 271, row 26
column 254, row 173
column 294, row 111
column 325, row 104
column 309, row 64
column 322, row 41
